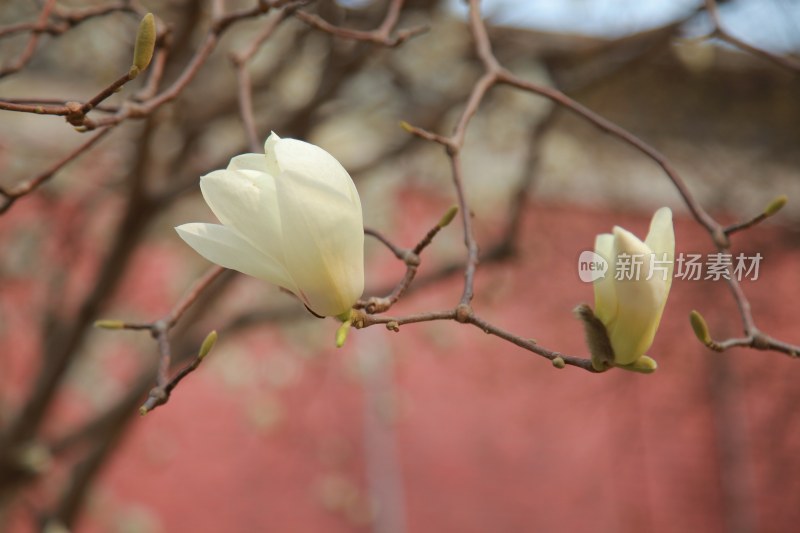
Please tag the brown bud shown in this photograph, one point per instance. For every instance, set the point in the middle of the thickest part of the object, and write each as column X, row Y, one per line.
column 596, row 338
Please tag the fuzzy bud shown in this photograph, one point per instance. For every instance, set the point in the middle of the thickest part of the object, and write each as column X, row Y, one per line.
column 449, row 216
column 145, row 45
column 700, row 327
column 208, row 344
column 776, row 205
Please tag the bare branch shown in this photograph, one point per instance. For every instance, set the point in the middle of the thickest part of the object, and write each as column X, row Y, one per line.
column 381, row 36
column 159, row 330
column 240, row 61
column 719, row 31
column 33, row 40
column 10, row 196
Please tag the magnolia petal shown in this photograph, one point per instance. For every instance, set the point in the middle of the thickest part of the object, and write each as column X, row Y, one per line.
column 328, row 268
column 226, row 248
column 255, row 162
column 269, row 153
column 605, row 297
column 639, row 302
column 316, row 164
column 245, row 201
column 644, row 365
column 661, row 240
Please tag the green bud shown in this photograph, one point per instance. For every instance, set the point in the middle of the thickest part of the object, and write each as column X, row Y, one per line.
column 109, row 324
column 448, row 217
column 406, row 126
column 558, row 362
column 776, row 205
column 643, row 365
column 143, row 410
column 35, row 458
column 145, row 45
column 700, row 327
column 341, row 333
column 208, row 344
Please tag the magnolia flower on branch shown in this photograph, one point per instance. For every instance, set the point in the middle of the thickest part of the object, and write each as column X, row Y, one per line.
column 629, row 304
column 290, row 216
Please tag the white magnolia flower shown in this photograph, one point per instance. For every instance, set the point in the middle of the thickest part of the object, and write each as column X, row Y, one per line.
column 290, row 216
column 629, row 309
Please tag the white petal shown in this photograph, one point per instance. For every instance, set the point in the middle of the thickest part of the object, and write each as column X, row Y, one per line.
column 605, row 297
column 323, row 236
column 224, row 247
column 626, row 242
column 255, row 162
column 639, row 302
column 269, row 154
column 245, row 201
column 316, row 164
column 661, row 239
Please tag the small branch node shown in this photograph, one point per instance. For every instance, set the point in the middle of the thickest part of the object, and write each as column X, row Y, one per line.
column 410, row 258
column 760, row 341
column 463, row 313
column 377, row 304
column 721, row 239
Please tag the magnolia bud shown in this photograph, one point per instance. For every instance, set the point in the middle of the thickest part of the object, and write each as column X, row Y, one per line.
column 629, row 304
column 145, row 45
column 109, row 324
column 700, row 327
column 448, row 217
column 208, row 344
column 776, row 205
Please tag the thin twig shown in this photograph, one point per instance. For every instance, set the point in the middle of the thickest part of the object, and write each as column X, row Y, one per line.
column 159, row 330
column 33, row 40
column 720, row 32
column 411, row 258
column 240, row 61
column 396, row 250
column 465, row 316
column 381, row 36
column 11, row 195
